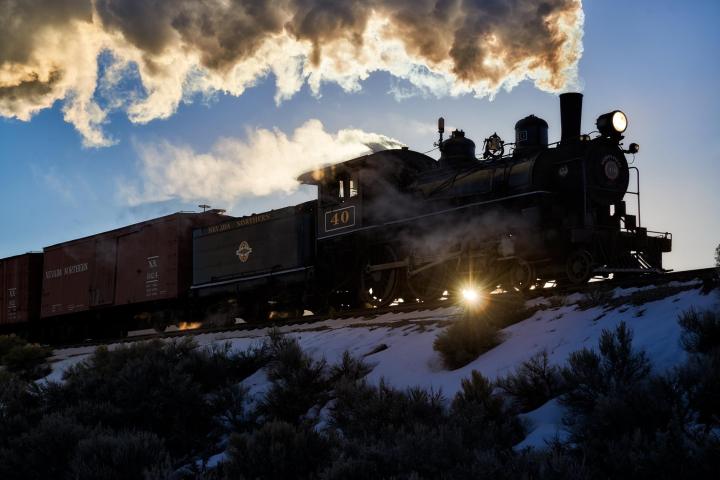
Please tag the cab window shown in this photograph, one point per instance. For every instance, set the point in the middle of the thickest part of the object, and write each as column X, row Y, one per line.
column 340, row 190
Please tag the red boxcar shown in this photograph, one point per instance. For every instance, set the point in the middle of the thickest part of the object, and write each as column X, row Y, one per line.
column 144, row 262
column 20, row 286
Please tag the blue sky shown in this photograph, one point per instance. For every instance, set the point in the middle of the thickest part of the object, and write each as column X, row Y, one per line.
column 656, row 60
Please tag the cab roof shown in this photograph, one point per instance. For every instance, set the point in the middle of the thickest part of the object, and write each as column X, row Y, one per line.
column 392, row 160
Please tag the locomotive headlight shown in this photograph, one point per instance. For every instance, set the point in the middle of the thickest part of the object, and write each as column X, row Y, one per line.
column 612, row 124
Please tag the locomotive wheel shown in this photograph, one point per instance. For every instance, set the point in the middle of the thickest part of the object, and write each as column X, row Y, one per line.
column 579, row 267
column 379, row 288
column 522, row 276
column 427, row 285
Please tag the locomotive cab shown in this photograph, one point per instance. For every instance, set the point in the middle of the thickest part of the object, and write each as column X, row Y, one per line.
column 364, row 191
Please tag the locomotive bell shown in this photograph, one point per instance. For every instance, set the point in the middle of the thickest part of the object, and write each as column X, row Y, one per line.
column 457, row 150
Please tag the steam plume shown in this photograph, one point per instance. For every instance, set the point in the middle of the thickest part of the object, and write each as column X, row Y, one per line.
column 267, row 162
column 49, row 50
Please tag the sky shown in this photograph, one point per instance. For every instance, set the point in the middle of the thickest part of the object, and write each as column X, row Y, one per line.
column 104, row 126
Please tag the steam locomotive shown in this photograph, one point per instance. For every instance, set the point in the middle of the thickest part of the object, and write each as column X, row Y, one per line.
column 399, row 224
column 388, row 225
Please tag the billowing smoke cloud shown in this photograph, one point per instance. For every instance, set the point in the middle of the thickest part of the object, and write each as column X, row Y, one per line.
column 49, row 50
column 267, row 162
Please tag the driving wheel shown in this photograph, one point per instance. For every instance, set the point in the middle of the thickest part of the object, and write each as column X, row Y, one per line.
column 522, row 275
column 579, row 267
column 427, row 285
column 378, row 288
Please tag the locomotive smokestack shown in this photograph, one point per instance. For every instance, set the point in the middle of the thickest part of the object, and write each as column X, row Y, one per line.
column 570, row 116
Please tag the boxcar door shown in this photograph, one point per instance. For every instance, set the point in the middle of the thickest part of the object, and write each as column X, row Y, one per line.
column 102, row 281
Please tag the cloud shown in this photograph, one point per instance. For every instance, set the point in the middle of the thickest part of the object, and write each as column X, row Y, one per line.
column 49, row 50
column 267, row 162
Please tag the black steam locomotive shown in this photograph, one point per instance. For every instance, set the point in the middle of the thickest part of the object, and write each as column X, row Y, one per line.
column 399, row 224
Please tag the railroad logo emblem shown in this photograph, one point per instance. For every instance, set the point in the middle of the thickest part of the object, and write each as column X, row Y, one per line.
column 243, row 252
column 611, row 167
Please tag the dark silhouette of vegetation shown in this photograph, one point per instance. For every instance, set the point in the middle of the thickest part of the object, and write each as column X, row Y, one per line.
column 596, row 297
column 277, row 450
column 28, row 360
column 466, row 339
column 118, row 456
column 533, row 383
column 298, row 382
column 478, row 330
column 701, row 330
column 124, row 411
column 161, row 409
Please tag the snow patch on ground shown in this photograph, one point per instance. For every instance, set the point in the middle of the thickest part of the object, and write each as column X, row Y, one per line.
column 544, row 425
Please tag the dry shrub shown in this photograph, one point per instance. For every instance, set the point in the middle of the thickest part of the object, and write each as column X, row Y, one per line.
column 483, row 416
column 465, row 340
column 701, row 330
column 595, row 298
column 8, row 342
column 533, row 383
column 118, row 456
column 277, row 450
column 28, row 360
column 298, row 381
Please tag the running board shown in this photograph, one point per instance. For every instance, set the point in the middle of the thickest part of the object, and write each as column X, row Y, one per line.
column 630, row 270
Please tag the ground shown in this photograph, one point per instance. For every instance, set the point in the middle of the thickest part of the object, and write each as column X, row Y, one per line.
column 399, row 346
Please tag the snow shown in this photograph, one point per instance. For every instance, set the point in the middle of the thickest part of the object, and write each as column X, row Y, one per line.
column 545, row 424
column 257, row 385
column 408, row 358
column 216, row 459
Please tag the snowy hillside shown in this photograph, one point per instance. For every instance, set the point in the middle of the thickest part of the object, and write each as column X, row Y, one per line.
column 399, row 346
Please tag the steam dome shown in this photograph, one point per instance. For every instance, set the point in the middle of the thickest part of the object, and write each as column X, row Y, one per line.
column 531, row 131
column 457, row 149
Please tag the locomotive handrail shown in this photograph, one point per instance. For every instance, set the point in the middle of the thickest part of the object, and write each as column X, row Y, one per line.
column 439, row 212
column 636, row 193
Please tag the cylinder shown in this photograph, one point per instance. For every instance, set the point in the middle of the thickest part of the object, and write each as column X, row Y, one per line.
column 570, row 116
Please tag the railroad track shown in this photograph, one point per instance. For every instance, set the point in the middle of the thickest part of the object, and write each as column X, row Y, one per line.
column 708, row 276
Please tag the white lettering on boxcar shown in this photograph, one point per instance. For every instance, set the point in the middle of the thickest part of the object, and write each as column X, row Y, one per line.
column 152, row 277
column 69, row 270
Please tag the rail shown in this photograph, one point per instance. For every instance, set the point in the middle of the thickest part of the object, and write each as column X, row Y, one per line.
column 703, row 275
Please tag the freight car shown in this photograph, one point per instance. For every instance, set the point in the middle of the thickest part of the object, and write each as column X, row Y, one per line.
column 20, row 284
column 121, row 279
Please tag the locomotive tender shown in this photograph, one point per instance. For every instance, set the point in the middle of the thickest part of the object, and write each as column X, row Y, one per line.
column 391, row 224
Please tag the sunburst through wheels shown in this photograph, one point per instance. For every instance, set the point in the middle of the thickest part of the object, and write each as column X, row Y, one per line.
column 427, row 285
column 378, row 288
column 522, row 275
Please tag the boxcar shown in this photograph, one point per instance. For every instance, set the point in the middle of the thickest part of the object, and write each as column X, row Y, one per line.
column 20, row 285
column 144, row 262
